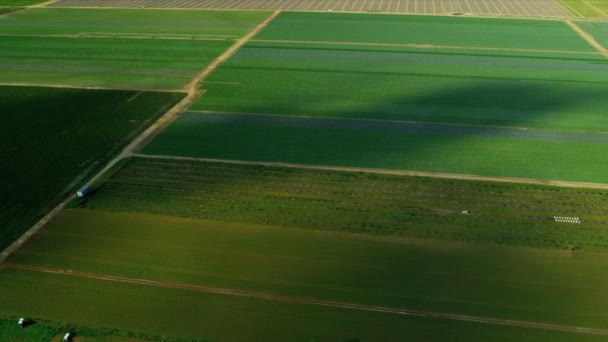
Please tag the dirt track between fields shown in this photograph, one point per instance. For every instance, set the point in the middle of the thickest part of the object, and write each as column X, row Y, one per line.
column 423, row 46
column 456, row 176
column 587, row 37
column 312, row 301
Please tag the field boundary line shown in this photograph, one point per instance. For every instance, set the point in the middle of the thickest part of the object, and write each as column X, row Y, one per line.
column 587, row 37
column 41, row 85
column 149, row 133
column 456, row 176
column 312, row 301
column 423, row 46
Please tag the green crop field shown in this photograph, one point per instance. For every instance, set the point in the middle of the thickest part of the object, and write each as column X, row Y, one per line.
column 6, row 10
column 399, row 273
column 125, row 22
column 586, row 8
column 369, row 203
column 534, row 90
column 201, row 316
column 598, row 29
column 54, row 139
column 105, row 62
column 20, row 2
column 402, row 29
column 504, row 152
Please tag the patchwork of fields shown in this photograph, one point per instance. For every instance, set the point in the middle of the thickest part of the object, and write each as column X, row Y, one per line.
column 115, row 49
column 200, row 232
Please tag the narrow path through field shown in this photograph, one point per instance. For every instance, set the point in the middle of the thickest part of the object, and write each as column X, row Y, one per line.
column 587, row 37
column 424, row 46
column 192, row 94
column 566, row 184
column 312, row 301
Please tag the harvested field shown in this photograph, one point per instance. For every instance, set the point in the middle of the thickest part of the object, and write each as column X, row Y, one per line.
column 541, row 8
column 54, row 139
column 125, row 22
column 281, row 139
column 105, row 62
column 382, row 205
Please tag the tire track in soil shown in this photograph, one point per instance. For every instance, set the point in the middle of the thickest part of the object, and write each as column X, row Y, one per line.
column 318, row 302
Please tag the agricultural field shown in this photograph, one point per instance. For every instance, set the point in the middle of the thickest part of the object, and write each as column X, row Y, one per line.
column 115, row 48
column 54, row 139
column 189, row 259
column 127, row 22
column 362, row 203
column 541, row 8
column 17, row 3
column 598, row 29
column 440, row 30
column 6, row 10
column 586, row 8
column 103, row 62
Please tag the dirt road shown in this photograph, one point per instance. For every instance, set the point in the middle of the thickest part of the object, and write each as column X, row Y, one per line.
column 312, row 301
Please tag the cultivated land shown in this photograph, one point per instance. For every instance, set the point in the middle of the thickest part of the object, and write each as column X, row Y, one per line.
column 20, row 2
column 367, row 203
column 543, row 8
column 294, row 270
column 523, row 99
column 598, row 29
column 125, row 22
column 103, row 62
column 586, row 8
column 54, row 139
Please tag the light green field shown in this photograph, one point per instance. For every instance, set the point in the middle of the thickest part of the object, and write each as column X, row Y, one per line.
column 586, row 8
column 181, row 313
column 489, row 281
column 401, row 29
column 127, row 22
column 105, row 62
column 535, row 90
column 598, row 29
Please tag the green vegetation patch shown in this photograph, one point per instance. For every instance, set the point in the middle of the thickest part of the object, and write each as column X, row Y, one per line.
column 372, row 144
column 52, row 140
column 18, row 3
column 6, row 10
column 402, row 29
column 535, row 90
column 586, row 8
column 128, row 22
column 201, row 316
column 598, row 29
column 367, row 203
column 105, row 62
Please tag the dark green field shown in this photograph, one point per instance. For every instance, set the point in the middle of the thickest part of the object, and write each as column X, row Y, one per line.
column 128, row 22
column 20, row 2
column 503, row 282
column 54, row 139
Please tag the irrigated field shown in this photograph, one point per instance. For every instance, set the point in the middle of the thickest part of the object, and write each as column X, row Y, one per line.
column 52, row 140
column 510, row 98
column 125, row 22
column 103, row 62
column 369, row 203
column 284, row 275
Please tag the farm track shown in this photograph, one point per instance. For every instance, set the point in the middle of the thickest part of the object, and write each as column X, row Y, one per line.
column 423, row 46
column 587, row 37
column 566, row 184
column 312, row 301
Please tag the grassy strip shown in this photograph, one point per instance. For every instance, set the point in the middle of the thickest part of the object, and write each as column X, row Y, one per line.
column 56, row 138
column 187, row 314
column 195, row 24
column 382, row 205
column 455, row 31
column 118, row 63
